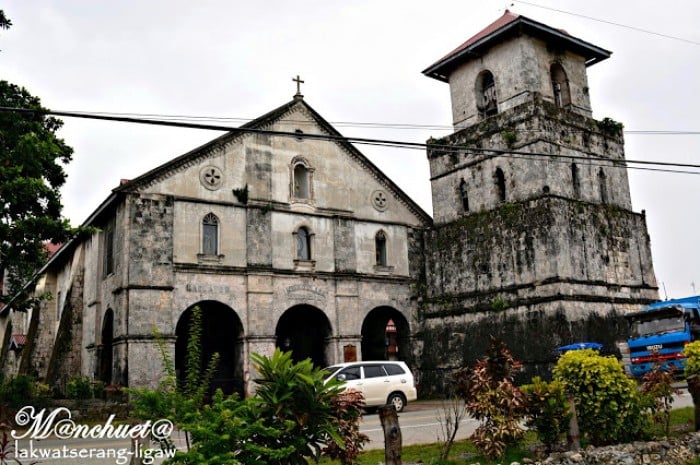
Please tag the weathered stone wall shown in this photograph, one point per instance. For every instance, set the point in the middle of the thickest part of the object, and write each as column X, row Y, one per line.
column 147, row 302
column 544, row 247
column 519, row 67
column 539, row 275
column 66, row 357
column 41, row 332
column 259, row 237
column 344, row 243
column 531, row 332
column 150, row 241
column 536, row 127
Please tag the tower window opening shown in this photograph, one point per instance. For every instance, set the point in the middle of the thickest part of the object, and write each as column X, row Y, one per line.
column 486, row 100
column 602, row 186
column 501, row 185
column 560, row 86
column 464, row 195
column 575, row 181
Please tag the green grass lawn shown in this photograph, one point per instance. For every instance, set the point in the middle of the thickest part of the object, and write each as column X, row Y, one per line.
column 464, row 451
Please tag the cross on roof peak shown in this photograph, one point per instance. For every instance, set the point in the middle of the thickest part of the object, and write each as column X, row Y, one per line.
column 299, row 82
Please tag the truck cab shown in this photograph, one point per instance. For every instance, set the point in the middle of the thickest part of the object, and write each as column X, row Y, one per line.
column 659, row 332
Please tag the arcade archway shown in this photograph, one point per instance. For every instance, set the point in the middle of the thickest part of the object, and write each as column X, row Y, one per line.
column 222, row 333
column 304, row 330
column 377, row 343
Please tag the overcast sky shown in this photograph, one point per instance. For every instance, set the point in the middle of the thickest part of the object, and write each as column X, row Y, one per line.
column 362, row 63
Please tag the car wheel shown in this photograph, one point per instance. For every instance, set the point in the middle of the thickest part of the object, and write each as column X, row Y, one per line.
column 397, row 400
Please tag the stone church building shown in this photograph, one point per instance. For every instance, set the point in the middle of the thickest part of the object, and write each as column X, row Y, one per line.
column 285, row 235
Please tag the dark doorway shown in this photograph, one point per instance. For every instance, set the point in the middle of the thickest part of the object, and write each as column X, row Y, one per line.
column 304, row 330
column 107, row 350
column 375, row 343
column 222, row 333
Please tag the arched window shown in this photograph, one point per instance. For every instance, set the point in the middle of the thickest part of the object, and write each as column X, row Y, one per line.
column 486, row 100
column 303, row 244
column 560, row 86
column 301, row 181
column 464, row 195
column 575, row 181
column 500, row 185
column 210, row 235
column 380, row 248
column 602, row 186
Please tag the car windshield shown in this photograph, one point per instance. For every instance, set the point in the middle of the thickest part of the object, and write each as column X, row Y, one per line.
column 329, row 371
column 657, row 326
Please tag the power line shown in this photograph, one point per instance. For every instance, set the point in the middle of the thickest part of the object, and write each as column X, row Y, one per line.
column 355, row 124
column 638, row 29
column 369, row 141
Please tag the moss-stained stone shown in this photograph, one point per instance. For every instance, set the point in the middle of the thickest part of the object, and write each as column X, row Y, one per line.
column 538, row 274
column 533, row 334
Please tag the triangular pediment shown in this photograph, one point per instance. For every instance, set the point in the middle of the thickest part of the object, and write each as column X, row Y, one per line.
column 345, row 180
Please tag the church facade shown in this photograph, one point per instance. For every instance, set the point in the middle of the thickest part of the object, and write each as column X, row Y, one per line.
column 284, row 235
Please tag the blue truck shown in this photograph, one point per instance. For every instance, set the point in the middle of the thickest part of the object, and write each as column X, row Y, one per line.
column 661, row 330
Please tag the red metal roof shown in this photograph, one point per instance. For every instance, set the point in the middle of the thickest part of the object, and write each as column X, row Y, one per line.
column 508, row 24
column 18, row 340
column 52, row 248
column 507, row 18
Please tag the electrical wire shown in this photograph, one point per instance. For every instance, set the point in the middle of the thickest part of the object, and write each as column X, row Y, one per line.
column 357, row 124
column 373, row 142
column 638, row 29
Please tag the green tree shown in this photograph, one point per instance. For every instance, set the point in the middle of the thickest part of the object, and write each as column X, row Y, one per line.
column 32, row 159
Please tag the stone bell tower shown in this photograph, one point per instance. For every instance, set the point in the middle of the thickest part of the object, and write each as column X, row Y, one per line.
column 535, row 240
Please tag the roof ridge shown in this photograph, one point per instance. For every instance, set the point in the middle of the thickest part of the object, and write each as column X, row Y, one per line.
column 506, row 18
column 511, row 23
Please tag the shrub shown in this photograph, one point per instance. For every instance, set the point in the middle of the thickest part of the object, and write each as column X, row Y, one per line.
column 347, row 411
column 98, row 389
column 692, row 352
column 692, row 375
column 658, row 391
column 79, row 387
column 610, row 126
column 493, row 399
column 548, row 410
column 17, row 390
column 608, row 404
column 296, row 401
column 291, row 417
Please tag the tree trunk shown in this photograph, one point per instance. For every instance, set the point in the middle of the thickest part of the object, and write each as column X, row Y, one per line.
column 573, row 436
column 392, row 435
column 694, row 390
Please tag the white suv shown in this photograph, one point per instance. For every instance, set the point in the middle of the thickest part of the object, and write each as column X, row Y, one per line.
column 382, row 382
